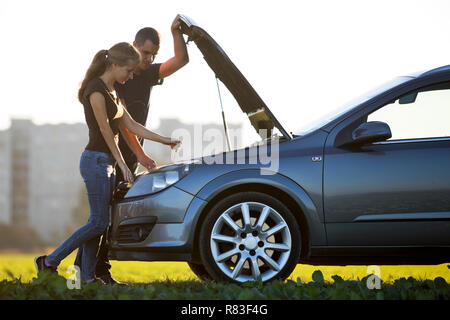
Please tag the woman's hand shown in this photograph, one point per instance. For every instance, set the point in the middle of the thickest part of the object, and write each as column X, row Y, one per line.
column 173, row 143
column 127, row 175
column 141, row 131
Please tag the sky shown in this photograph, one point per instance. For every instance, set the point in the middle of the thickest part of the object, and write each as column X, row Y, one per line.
column 304, row 58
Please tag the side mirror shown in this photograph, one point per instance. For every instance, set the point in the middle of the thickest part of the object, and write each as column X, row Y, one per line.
column 372, row 131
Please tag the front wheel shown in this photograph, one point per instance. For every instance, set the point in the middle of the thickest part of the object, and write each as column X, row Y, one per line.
column 249, row 236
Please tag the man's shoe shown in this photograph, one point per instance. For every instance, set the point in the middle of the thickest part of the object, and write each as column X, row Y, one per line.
column 39, row 263
column 96, row 280
column 108, row 279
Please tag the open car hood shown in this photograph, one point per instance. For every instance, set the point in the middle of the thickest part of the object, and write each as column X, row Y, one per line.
column 258, row 113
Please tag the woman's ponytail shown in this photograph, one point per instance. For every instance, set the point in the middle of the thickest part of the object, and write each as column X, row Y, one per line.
column 96, row 69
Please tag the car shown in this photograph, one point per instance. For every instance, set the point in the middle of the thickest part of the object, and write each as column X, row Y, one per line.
column 366, row 184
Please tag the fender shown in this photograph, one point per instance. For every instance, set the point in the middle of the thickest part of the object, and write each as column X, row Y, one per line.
column 251, row 176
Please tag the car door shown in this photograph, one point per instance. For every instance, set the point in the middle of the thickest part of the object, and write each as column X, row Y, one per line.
column 395, row 192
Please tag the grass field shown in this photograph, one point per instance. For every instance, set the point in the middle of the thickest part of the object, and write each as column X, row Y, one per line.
column 22, row 266
column 174, row 280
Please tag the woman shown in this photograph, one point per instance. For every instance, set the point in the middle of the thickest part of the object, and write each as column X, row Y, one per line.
column 103, row 115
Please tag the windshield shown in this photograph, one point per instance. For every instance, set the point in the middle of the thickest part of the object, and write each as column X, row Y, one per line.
column 330, row 116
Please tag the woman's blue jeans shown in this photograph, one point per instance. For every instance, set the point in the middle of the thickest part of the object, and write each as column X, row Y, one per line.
column 97, row 170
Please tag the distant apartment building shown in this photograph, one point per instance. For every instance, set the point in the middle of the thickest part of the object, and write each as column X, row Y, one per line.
column 20, row 142
column 44, row 175
column 54, row 177
column 5, row 211
column 40, row 181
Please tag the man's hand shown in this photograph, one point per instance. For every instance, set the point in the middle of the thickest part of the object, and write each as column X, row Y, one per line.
column 176, row 24
column 146, row 161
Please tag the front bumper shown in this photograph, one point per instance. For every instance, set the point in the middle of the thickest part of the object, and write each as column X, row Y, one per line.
column 167, row 221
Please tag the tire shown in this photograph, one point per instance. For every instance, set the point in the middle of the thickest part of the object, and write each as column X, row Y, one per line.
column 249, row 236
column 200, row 271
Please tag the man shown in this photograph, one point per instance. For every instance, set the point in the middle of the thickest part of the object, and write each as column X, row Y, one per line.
column 135, row 96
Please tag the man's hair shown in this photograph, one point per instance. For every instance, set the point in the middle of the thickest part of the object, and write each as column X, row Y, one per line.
column 147, row 34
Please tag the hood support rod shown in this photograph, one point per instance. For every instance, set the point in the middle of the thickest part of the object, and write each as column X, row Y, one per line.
column 223, row 116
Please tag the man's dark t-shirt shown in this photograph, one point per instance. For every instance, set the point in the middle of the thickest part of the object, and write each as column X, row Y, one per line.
column 136, row 94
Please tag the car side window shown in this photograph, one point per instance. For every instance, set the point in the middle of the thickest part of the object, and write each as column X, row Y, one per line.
column 424, row 113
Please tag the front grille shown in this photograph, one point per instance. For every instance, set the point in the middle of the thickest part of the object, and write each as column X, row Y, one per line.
column 133, row 233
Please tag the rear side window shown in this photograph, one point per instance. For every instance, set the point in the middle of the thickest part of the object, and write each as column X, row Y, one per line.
column 424, row 113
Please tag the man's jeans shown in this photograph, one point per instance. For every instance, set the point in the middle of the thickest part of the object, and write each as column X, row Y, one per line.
column 97, row 170
column 103, row 265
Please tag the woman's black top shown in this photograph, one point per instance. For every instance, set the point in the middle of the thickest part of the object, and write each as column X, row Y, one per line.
column 96, row 140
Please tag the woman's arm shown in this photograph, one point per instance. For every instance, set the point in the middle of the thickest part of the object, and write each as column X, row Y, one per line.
column 141, row 131
column 98, row 104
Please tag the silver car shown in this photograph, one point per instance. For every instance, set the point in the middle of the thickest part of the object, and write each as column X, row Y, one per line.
column 340, row 193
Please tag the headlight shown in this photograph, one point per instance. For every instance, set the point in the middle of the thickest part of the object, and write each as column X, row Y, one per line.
column 159, row 179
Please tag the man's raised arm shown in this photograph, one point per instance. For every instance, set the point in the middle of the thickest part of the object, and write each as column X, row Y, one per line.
column 181, row 57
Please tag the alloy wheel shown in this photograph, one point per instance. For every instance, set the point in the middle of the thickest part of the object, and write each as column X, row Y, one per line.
column 250, row 241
